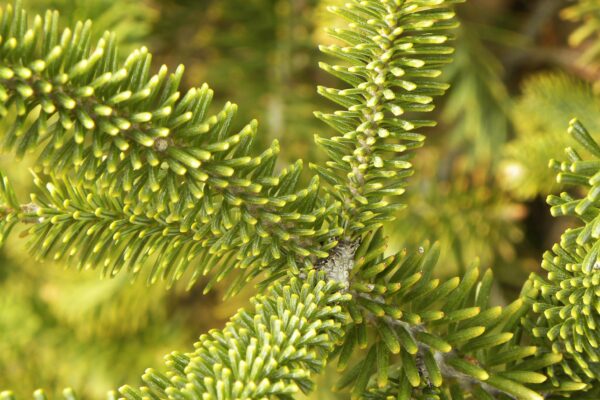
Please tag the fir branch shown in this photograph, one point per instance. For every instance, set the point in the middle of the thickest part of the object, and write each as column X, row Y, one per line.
column 154, row 176
column 392, row 51
column 566, row 309
column 268, row 353
column 73, row 222
column 424, row 335
column 115, row 129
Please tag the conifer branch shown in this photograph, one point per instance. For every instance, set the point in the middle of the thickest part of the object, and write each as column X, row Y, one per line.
column 268, row 353
column 136, row 174
column 72, row 221
column 566, row 309
column 393, row 51
column 423, row 335
column 155, row 153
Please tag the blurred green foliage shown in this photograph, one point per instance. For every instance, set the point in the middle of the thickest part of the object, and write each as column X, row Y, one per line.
column 540, row 135
column 476, row 187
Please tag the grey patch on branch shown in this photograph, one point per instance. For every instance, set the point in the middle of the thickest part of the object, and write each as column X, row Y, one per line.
column 340, row 262
column 422, row 368
column 161, row 144
column 30, row 208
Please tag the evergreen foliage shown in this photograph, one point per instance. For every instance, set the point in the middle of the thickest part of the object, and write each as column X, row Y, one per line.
column 270, row 353
column 455, row 198
column 395, row 51
column 540, row 136
column 129, row 135
column 477, row 107
column 428, row 336
column 566, row 307
column 135, row 175
column 587, row 14
column 468, row 216
column 130, row 20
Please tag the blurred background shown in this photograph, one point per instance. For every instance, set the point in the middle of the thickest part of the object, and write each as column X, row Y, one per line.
column 523, row 69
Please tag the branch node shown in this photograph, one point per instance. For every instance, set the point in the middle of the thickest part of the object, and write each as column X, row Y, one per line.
column 340, row 262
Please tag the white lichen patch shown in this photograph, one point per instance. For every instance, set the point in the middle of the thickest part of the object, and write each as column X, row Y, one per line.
column 30, row 208
column 340, row 262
